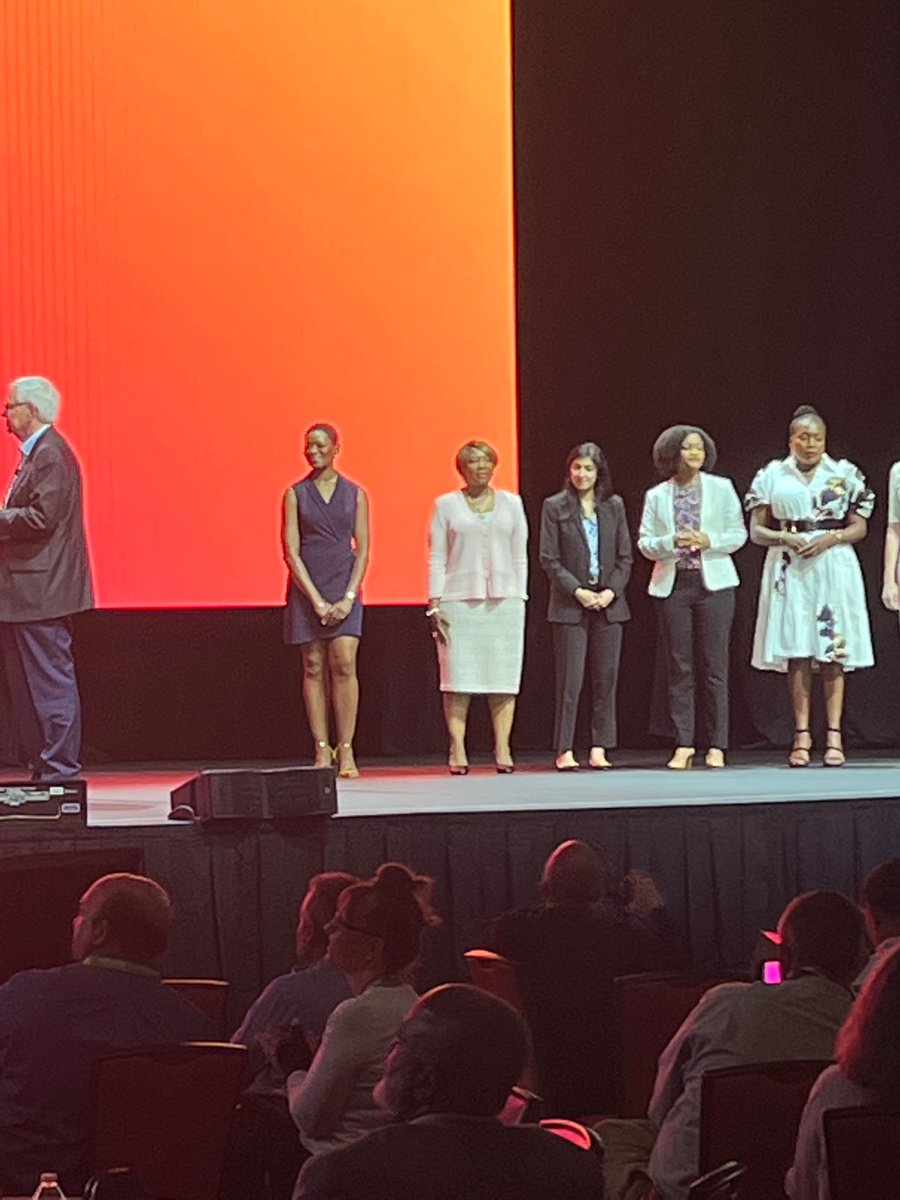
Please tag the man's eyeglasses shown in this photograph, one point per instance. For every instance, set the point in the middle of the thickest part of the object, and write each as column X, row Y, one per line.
column 14, row 404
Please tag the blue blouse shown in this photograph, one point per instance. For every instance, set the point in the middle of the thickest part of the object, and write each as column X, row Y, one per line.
column 592, row 533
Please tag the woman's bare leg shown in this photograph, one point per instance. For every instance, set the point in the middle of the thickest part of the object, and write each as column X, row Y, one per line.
column 456, row 714
column 315, row 699
column 342, row 653
column 503, row 709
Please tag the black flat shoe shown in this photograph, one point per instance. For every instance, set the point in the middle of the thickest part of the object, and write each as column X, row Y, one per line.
column 457, row 769
column 505, row 768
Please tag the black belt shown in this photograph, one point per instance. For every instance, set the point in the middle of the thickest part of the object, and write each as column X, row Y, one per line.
column 812, row 526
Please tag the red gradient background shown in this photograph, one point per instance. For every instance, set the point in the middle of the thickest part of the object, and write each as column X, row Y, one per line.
column 226, row 219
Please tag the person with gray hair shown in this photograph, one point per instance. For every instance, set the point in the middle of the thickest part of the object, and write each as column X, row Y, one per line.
column 45, row 578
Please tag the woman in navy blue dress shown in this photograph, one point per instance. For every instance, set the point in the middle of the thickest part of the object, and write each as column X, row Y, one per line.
column 325, row 536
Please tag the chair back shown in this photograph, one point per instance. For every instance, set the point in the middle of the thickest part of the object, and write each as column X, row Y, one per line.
column 751, row 1114
column 649, row 1010
column 863, row 1153
column 209, row 995
column 165, row 1113
column 579, row 1135
column 498, row 976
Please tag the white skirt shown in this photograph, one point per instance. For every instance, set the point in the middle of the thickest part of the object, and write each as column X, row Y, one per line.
column 812, row 608
column 484, row 651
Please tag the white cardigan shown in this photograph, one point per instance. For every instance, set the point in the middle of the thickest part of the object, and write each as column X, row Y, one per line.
column 721, row 519
column 471, row 558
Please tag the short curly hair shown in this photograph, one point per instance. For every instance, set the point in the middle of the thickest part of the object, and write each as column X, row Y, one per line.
column 667, row 449
column 470, row 449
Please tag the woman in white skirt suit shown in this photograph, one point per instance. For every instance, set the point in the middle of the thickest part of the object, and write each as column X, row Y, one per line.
column 809, row 509
column 477, row 587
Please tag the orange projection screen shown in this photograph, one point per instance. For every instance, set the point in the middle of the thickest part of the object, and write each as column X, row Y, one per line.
column 224, row 220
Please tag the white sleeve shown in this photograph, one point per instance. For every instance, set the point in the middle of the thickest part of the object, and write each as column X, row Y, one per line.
column 654, row 542
column 437, row 553
column 733, row 533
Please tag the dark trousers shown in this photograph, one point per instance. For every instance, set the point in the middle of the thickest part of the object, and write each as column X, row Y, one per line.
column 600, row 640
column 697, row 625
column 46, row 707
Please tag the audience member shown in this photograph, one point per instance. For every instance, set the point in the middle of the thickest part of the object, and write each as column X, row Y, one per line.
column 56, row 1024
column 264, row 1154
column 867, row 1072
column 457, row 1055
column 879, row 898
column 568, row 950
column 374, row 940
column 822, row 950
column 306, row 996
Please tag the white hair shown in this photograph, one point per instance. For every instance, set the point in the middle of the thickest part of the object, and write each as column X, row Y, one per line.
column 39, row 393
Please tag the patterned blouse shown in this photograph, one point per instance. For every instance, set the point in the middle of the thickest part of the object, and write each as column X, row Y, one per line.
column 687, row 517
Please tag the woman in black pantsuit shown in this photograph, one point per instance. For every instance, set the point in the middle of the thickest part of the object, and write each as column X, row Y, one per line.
column 586, row 554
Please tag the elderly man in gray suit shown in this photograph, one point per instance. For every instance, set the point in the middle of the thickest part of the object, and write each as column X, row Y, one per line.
column 44, row 578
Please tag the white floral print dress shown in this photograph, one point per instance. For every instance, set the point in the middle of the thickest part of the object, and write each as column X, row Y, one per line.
column 812, row 607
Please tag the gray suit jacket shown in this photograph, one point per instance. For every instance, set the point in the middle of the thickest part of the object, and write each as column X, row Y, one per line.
column 565, row 556
column 44, row 569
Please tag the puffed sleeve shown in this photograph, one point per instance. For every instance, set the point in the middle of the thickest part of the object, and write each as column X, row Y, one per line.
column 519, row 547
column 894, row 495
column 859, row 494
column 437, row 553
column 760, row 490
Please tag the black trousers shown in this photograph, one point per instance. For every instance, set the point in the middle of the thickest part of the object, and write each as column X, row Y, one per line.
column 697, row 627
column 600, row 640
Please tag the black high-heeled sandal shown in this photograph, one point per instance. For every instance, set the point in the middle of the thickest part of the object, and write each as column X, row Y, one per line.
column 799, row 755
column 834, row 756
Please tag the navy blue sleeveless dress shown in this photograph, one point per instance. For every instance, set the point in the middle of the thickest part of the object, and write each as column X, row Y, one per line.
column 325, row 547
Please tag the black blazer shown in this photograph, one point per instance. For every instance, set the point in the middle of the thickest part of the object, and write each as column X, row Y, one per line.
column 566, row 558
column 44, row 570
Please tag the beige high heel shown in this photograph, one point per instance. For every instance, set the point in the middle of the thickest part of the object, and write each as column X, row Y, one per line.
column 834, row 755
column 323, row 751
column 799, row 755
column 347, row 770
column 682, row 759
column 598, row 760
column 715, row 758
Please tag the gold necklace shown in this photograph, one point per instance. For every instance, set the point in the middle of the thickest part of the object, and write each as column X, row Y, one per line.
column 480, row 503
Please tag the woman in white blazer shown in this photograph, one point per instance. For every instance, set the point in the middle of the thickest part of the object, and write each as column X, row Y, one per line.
column 691, row 525
column 477, row 588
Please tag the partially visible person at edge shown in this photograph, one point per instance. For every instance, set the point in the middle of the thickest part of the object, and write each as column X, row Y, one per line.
column 866, row 1075
column 809, row 510
column 456, row 1056
column 590, row 927
column 586, row 555
column 879, row 899
column 822, row 949
column 374, row 939
column 690, row 527
column 477, row 587
column 45, row 578
column 325, row 539
column 890, row 594
column 55, row 1026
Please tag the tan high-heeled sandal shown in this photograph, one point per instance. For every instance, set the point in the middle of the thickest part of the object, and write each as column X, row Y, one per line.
column 715, row 757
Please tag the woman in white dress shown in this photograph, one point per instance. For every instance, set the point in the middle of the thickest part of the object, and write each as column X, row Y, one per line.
column 477, row 588
column 890, row 594
column 809, row 509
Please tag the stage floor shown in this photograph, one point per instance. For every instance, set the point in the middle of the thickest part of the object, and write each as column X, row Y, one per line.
column 139, row 795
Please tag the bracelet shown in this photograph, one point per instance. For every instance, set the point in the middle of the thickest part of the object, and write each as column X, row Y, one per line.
column 838, row 535
column 349, row 594
column 431, row 612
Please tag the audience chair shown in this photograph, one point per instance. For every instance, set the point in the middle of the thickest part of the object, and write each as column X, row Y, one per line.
column 751, row 1114
column 165, row 1113
column 498, row 976
column 649, row 1010
column 719, row 1184
column 522, row 1108
column 209, row 995
column 863, row 1153
column 579, row 1135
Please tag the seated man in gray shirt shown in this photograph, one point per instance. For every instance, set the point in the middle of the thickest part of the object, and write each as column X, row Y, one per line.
column 822, row 949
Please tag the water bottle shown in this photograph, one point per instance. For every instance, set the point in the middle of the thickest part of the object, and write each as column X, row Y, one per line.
column 48, row 1188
